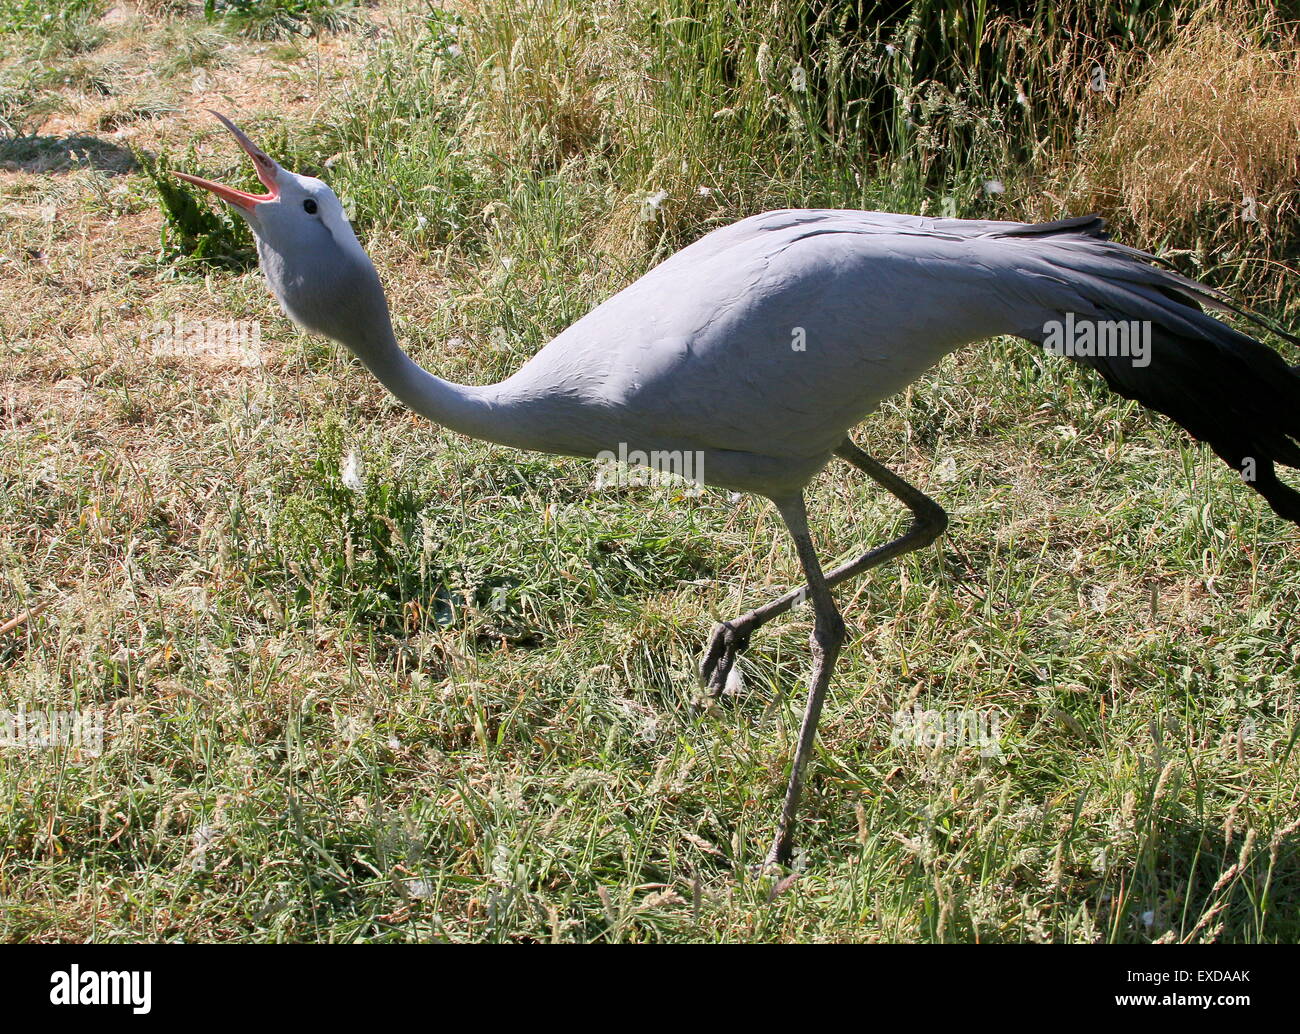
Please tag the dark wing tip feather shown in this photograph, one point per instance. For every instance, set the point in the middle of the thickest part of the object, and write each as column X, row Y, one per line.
column 1284, row 500
column 1085, row 225
column 1224, row 387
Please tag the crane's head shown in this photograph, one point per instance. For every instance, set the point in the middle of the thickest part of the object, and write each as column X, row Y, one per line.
column 313, row 261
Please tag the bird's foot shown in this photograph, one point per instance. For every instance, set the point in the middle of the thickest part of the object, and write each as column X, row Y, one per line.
column 782, row 851
column 728, row 640
column 780, row 866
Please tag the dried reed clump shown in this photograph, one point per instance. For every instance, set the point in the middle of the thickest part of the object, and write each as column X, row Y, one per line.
column 1182, row 125
column 556, row 81
column 669, row 112
column 1206, row 146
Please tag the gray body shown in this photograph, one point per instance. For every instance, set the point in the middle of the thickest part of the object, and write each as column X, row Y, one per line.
column 761, row 344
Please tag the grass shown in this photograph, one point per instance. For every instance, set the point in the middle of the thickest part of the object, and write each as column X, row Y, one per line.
column 273, row 19
column 456, row 700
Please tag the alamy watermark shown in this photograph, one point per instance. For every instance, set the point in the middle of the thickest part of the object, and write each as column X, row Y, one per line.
column 179, row 336
column 44, row 730
column 952, row 728
column 75, row 986
column 657, row 468
column 1084, row 338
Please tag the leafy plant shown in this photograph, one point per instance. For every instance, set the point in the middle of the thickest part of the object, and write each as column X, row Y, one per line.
column 271, row 19
column 17, row 16
column 349, row 535
column 192, row 229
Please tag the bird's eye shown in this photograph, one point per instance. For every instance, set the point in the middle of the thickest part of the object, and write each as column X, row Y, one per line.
column 310, row 206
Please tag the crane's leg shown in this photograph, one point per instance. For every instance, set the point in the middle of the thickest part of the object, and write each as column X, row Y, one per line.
column 827, row 638
column 928, row 523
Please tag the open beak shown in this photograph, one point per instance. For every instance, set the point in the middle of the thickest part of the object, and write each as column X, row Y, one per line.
column 266, row 172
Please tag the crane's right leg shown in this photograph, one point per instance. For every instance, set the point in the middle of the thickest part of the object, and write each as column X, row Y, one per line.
column 928, row 523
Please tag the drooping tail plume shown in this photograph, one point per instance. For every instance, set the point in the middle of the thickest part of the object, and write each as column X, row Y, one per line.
column 1222, row 386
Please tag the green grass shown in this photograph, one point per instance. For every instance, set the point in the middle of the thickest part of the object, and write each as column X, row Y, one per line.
column 37, row 17
column 457, row 700
column 274, row 19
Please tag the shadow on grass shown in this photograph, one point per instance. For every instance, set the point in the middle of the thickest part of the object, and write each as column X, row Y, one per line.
column 1203, row 885
column 55, row 154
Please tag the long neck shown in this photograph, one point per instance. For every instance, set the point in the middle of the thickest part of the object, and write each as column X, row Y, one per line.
column 468, row 410
column 343, row 299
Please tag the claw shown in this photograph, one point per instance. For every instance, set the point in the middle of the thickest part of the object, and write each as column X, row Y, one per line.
column 779, row 856
column 726, row 643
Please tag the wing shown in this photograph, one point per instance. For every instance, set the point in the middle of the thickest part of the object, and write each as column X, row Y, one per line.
column 773, row 335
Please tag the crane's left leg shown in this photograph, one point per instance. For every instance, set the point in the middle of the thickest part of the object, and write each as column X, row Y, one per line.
column 827, row 638
column 928, row 523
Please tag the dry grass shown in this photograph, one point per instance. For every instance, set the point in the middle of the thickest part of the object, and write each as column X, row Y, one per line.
column 1202, row 151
